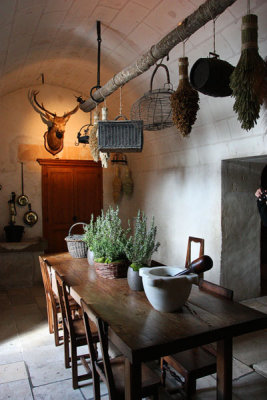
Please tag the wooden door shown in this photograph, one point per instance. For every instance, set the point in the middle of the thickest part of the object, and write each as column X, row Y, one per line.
column 71, row 192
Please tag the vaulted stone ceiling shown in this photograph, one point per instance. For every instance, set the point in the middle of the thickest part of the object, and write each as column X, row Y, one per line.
column 58, row 38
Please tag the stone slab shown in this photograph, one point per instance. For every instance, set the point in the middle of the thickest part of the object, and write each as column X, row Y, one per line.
column 10, row 390
column 13, row 372
column 56, row 391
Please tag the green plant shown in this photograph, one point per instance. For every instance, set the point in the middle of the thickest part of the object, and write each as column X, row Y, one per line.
column 89, row 232
column 109, row 238
column 142, row 244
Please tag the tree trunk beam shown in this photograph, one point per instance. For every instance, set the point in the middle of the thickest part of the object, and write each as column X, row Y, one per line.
column 206, row 12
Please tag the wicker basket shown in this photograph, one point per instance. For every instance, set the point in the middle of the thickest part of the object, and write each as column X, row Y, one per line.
column 120, row 136
column 154, row 108
column 76, row 246
column 113, row 270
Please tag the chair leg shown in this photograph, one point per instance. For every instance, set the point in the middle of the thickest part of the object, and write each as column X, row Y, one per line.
column 163, row 372
column 56, row 329
column 66, row 348
column 96, row 385
column 190, row 386
column 49, row 315
column 74, row 366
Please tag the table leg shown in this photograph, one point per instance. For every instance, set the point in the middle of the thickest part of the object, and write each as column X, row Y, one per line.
column 133, row 382
column 224, row 369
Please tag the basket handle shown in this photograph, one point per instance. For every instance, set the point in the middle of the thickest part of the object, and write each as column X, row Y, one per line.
column 77, row 223
column 120, row 116
column 154, row 72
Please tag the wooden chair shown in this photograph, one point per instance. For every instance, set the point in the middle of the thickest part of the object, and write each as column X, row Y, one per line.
column 188, row 257
column 111, row 370
column 198, row 362
column 74, row 336
column 52, row 303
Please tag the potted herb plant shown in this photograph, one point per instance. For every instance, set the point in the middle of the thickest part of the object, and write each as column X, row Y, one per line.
column 89, row 232
column 108, row 244
column 139, row 248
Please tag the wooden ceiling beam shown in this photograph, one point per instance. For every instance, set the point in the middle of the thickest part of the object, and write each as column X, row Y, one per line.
column 206, row 12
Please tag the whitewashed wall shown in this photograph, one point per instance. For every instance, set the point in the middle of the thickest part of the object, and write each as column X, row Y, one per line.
column 178, row 180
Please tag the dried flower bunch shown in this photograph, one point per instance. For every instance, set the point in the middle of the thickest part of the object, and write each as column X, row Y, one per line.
column 93, row 139
column 184, row 101
column 142, row 244
column 247, row 79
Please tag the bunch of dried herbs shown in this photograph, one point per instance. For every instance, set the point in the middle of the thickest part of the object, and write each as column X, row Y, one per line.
column 93, row 139
column 184, row 101
column 247, row 79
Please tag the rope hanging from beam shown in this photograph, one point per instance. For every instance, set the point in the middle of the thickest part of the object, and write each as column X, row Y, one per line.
column 206, row 12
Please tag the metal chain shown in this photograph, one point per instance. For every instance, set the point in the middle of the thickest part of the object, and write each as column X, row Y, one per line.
column 120, row 113
column 214, row 51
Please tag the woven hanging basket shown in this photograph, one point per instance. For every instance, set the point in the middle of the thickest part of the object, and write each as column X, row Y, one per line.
column 154, row 108
column 120, row 136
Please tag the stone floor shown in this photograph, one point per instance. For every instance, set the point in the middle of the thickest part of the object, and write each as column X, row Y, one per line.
column 31, row 367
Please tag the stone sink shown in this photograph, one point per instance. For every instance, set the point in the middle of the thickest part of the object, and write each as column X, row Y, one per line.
column 166, row 292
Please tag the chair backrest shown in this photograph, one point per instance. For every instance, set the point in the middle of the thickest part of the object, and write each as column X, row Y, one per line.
column 64, row 303
column 47, row 281
column 102, row 328
column 89, row 336
column 216, row 289
column 189, row 249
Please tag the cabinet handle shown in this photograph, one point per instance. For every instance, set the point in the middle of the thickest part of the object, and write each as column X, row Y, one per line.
column 74, row 218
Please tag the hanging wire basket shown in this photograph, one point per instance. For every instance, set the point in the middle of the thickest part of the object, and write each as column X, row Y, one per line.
column 154, row 108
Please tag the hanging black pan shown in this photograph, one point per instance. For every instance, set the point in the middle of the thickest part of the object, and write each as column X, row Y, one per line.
column 30, row 217
column 22, row 199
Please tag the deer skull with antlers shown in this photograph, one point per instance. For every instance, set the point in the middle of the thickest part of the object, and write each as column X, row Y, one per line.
column 54, row 136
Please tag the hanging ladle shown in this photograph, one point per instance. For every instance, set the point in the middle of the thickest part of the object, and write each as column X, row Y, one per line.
column 22, row 199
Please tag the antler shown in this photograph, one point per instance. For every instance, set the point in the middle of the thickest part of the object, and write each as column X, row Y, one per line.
column 41, row 106
column 71, row 112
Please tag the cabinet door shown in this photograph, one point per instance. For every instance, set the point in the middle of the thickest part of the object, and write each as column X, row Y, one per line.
column 87, row 193
column 71, row 192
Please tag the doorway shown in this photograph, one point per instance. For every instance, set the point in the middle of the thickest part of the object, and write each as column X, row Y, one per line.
column 72, row 190
column 241, row 256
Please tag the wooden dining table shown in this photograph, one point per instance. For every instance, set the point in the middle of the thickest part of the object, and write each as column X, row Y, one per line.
column 143, row 334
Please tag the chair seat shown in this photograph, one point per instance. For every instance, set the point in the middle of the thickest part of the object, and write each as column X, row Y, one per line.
column 79, row 328
column 149, row 378
column 195, row 361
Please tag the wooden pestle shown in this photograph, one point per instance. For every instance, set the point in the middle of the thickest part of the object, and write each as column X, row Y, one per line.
column 201, row 264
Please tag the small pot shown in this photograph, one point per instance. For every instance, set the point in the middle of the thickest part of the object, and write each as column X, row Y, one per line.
column 90, row 257
column 211, row 76
column 135, row 281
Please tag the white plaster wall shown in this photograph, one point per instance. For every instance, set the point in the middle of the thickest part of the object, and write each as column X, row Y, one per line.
column 22, row 140
column 178, row 180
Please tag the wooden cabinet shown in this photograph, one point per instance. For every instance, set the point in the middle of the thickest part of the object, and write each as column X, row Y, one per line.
column 71, row 191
